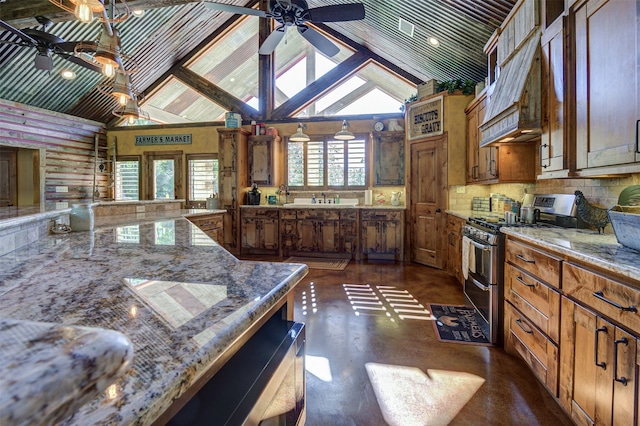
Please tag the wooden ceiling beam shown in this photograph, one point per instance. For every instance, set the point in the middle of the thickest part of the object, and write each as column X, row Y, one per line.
column 331, row 79
column 215, row 93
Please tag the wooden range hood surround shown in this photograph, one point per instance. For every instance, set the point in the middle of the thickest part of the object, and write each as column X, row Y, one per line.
column 514, row 101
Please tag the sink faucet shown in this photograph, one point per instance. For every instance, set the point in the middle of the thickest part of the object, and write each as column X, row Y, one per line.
column 324, row 198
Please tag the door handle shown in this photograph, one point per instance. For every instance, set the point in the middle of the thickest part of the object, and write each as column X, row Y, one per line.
column 622, row 380
column 519, row 322
column 629, row 308
column 521, row 257
column 438, row 210
column 544, row 145
column 519, row 278
column 603, row 364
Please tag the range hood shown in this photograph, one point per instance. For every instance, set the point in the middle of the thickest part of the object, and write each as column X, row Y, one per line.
column 514, row 107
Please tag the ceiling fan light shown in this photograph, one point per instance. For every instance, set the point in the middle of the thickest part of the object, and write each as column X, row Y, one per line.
column 68, row 74
column 344, row 134
column 44, row 61
column 299, row 136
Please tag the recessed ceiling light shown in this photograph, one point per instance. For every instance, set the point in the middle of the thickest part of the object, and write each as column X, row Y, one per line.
column 138, row 13
column 232, row 79
column 434, row 41
column 67, row 74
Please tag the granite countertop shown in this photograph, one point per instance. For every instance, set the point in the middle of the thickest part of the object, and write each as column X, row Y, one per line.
column 600, row 250
column 177, row 295
column 326, row 206
column 66, row 366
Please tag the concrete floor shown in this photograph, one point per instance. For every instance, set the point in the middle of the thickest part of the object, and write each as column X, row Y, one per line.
column 371, row 367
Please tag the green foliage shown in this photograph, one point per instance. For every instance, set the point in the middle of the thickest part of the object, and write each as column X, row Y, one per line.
column 467, row 87
column 630, row 196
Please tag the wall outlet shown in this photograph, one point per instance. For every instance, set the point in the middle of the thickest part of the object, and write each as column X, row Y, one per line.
column 461, row 189
column 62, row 205
column 62, row 189
column 140, row 209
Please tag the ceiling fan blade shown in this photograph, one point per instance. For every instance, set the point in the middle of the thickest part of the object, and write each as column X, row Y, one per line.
column 19, row 33
column 336, row 13
column 270, row 44
column 319, row 41
column 235, row 9
column 69, row 46
column 82, row 63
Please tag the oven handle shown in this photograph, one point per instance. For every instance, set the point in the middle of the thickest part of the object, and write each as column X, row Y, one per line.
column 481, row 246
column 480, row 286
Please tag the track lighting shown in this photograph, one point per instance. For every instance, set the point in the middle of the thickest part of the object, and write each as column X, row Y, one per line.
column 299, row 136
column 344, row 134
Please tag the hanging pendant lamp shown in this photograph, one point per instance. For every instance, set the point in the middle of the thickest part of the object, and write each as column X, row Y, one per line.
column 344, row 134
column 299, row 136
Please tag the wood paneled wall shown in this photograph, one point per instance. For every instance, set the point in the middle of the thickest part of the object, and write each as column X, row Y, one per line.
column 66, row 145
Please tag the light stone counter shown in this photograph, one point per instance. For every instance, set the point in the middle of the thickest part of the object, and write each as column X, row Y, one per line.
column 178, row 296
column 600, row 250
column 325, row 206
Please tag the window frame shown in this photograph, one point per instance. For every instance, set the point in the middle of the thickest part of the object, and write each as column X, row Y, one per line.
column 122, row 158
column 325, row 139
column 178, row 172
column 200, row 156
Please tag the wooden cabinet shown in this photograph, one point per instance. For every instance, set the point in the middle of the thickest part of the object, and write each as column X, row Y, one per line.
column 554, row 159
column 210, row 224
column 288, row 231
column 606, row 87
column 532, row 310
column 382, row 233
column 232, row 159
column 264, row 160
column 454, row 238
column 349, row 232
column 260, row 231
column 600, row 328
column 481, row 162
column 388, row 156
column 504, row 164
column 318, row 231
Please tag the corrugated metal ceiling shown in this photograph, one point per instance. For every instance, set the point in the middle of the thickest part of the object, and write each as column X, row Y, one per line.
column 167, row 34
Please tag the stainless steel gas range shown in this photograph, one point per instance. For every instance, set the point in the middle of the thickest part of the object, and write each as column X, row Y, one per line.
column 484, row 254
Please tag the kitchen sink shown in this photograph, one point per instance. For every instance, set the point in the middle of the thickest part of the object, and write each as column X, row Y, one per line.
column 306, row 203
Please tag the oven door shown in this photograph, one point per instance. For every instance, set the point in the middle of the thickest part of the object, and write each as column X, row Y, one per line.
column 478, row 294
column 485, row 264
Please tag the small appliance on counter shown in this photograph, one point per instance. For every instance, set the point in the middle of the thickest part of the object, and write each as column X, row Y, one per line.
column 253, row 196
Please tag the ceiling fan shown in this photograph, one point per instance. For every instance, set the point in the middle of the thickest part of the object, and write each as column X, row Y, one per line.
column 296, row 12
column 48, row 44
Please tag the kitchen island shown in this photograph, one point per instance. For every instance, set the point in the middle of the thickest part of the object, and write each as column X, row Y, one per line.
column 186, row 304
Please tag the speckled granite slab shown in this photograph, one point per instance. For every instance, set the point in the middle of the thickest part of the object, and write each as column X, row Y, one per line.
column 51, row 370
column 177, row 295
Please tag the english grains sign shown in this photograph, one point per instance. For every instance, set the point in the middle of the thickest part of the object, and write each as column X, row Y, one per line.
column 425, row 118
column 163, row 140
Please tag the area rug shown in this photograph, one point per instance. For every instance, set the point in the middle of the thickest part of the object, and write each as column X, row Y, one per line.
column 459, row 324
column 320, row 263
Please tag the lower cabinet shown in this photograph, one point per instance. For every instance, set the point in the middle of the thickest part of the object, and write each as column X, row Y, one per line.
column 260, row 231
column 382, row 233
column 318, row 231
column 212, row 225
column 599, row 357
column 454, row 241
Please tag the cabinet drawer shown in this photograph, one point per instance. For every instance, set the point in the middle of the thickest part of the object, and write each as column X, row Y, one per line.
column 348, row 214
column 288, row 214
column 538, row 263
column 540, row 353
column 260, row 213
column 602, row 294
column 319, row 214
column 539, row 302
column 380, row 215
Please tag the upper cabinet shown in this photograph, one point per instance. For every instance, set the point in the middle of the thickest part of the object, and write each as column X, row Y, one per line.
column 388, row 154
column 264, row 158
column 606, row 87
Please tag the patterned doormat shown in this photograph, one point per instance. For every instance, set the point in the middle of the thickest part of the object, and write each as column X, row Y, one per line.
column 459, row 324
column 320, row 263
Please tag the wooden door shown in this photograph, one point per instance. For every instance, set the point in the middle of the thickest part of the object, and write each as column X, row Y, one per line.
column 388, row 151
column 472, row 145
column 306, row 235
column 624, row 370
column 260, row 160
column 369, row 233
column 327, row 234
column 8, row 186
column 270, row 234
column 390, row 237
column 250, row 233
column 428, row 201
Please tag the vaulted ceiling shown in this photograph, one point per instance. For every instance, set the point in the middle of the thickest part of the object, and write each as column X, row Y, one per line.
column 171, row 31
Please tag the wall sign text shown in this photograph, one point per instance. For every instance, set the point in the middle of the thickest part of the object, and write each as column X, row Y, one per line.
column 425, row 118
column 163, row 140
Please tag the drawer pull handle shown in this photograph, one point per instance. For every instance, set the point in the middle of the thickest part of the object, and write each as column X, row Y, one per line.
column 521, row 257
column 622, row 380
column 519, row 322
column 519, row 278
column 629, row 308
column 603, row 364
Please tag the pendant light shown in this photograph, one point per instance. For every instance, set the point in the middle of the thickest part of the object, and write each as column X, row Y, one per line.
column 120, row 88
column 131, row 112
column 86, row 10
column 299, row 136
column 344, row 134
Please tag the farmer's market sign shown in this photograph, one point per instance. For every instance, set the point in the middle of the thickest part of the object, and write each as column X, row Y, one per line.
column 163, row 140
column 425, row 118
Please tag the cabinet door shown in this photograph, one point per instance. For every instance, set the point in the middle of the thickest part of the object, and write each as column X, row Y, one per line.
column 473, row 146
column 327, row 232
column 228, row 151
column 348, row 236
column 552, row 149
column 606, row 83
column 306, row 235
column 250, row 233
column 270, row 234
column 260, row 153
column 388, row 151
column 370, row 243
column 390, row 237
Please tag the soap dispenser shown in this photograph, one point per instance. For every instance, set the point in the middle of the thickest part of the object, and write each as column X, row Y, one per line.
column 313, row 198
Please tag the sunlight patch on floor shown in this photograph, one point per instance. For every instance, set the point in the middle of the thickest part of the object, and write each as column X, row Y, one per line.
column 407, row 396
column 319, row 366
